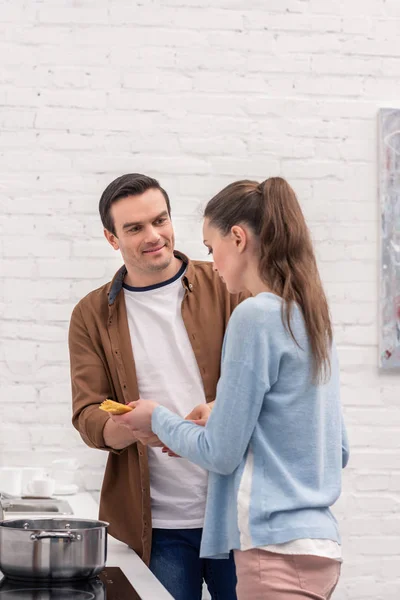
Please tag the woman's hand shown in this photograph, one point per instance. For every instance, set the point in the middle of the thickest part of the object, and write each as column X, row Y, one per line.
column 139, row 419
column 200, row 413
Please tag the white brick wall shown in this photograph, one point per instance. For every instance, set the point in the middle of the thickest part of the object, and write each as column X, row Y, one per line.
column 196, row 97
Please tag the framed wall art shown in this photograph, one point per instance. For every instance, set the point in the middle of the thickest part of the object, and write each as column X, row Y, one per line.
column 389, row 198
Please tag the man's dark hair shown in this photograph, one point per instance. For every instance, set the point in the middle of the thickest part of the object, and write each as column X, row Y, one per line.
column 132, row 184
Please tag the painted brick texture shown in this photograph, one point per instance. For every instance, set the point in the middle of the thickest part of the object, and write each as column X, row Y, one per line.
column 196, row 96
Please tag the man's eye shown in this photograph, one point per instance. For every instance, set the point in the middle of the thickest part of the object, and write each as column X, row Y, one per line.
column 159, row 221
column 134, row 229
column 209, row 251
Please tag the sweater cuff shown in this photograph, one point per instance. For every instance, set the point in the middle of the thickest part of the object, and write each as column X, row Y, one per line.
column 159, row 417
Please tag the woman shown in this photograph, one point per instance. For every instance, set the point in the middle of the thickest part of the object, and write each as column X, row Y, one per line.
column 275, row 442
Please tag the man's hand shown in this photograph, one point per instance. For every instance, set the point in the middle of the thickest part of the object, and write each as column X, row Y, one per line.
column 116, row 436
column 199, row 415
column 150, row 440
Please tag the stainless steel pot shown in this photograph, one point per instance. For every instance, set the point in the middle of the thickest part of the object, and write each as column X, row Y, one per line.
column 52, row 549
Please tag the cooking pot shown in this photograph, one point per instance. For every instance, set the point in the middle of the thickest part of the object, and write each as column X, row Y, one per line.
column 52, row 549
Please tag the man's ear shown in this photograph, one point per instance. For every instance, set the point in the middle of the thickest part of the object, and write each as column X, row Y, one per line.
column 239, row 237
column 111, row 239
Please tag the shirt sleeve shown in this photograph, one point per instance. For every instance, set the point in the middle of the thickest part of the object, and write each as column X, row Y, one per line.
column 89, row 384
column 247, row 373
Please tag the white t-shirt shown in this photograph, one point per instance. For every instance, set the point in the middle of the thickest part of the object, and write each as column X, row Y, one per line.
column 167, row 372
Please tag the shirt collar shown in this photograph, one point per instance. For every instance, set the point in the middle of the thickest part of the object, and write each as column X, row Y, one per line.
column 118, row 279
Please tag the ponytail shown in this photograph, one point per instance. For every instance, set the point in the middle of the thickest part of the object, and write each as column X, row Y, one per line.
column 287, row 262
column 288, row 266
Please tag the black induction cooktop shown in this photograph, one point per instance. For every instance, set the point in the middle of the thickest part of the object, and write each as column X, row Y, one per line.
column 110, row 584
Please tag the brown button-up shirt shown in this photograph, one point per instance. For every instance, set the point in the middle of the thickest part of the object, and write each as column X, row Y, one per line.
column 102, row 366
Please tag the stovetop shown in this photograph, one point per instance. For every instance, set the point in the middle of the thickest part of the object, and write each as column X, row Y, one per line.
column 110, row 584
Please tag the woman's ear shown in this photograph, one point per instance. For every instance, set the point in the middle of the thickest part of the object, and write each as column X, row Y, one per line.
column 239, row 237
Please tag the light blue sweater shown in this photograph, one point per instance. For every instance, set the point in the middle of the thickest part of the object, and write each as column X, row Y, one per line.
column 274, row 444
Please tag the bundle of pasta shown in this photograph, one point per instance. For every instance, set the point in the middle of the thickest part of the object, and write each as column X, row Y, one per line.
column 115, row 408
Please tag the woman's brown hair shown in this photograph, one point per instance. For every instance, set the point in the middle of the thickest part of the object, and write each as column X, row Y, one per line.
column 287, row 262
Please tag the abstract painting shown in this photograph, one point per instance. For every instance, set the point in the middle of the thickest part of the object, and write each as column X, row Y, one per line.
column 389, row 196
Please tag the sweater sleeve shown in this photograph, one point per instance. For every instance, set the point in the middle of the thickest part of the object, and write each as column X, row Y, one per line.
column 249, row 368
column 345, row 445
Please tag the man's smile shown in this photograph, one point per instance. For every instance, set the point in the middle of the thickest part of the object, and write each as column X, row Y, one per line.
column 153, row 250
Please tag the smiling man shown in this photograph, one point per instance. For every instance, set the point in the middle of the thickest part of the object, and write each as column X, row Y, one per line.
column 155, row 331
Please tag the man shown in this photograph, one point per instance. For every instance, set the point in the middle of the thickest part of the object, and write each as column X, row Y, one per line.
column 155, row 331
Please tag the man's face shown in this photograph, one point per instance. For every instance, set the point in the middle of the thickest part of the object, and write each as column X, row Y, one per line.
column 144, row 232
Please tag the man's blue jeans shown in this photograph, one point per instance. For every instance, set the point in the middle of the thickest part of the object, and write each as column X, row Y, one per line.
column 176, row 563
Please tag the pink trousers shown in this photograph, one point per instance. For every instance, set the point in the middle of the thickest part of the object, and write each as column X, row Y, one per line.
column 265, row 575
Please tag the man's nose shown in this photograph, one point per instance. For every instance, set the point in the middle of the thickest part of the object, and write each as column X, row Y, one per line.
column 152, row 235
column 215, row 267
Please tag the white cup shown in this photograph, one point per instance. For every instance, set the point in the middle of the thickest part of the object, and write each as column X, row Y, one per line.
column 43, row 488
column 10, row 480
column 30, row 473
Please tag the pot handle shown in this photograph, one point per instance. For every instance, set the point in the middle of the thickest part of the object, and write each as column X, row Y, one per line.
column 54, row 535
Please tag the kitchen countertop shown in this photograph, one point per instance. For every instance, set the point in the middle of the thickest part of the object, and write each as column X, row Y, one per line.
column 118, row 554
